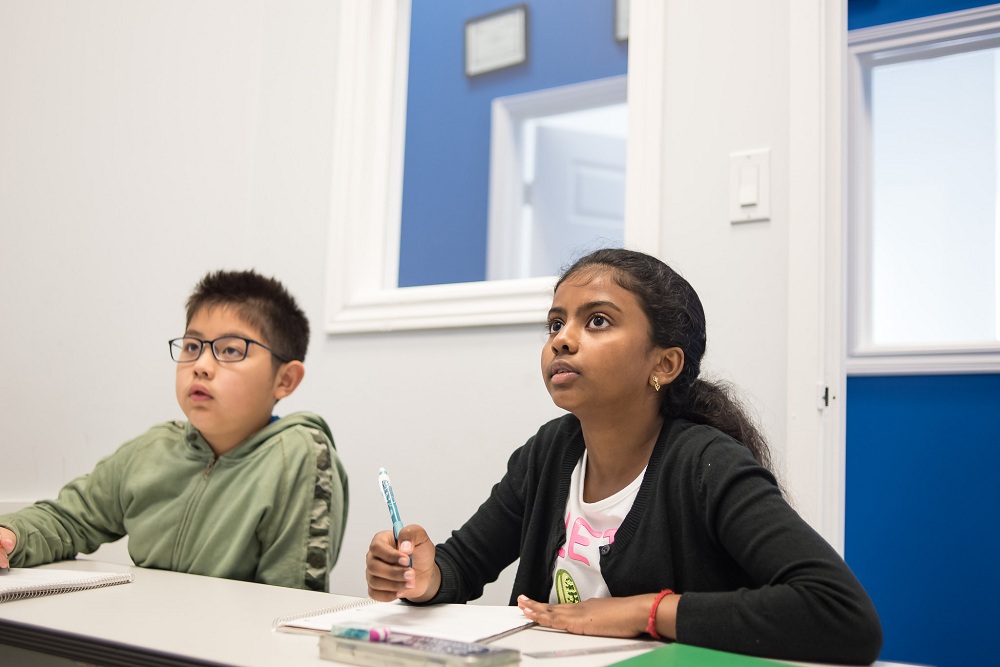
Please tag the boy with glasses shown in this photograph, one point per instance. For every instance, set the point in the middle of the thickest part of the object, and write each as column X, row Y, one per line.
column 234, row 492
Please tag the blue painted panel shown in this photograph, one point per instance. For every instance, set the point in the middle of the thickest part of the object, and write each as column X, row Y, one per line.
column 923, row 495
column 866, row 13
column 923, row 484
column 446, row 162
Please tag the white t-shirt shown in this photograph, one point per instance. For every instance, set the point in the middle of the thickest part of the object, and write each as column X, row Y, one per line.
column 589, row 526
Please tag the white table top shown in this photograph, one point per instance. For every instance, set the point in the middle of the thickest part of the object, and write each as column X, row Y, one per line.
column 169, row 618
column 189, row 619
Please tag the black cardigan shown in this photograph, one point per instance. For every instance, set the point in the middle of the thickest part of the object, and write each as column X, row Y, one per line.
column 708, row 522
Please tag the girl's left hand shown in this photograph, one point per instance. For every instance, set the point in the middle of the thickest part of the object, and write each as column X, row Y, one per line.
column 605, row 617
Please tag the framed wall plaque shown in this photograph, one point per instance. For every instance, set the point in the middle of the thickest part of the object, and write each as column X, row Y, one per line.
column 621, row 20
column 496, row 41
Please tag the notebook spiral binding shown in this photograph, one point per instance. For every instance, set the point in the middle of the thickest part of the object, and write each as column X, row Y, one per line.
column 284, row 620
column 82, row 585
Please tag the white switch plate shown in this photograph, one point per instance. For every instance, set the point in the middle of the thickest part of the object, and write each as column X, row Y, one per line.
column 744, row 169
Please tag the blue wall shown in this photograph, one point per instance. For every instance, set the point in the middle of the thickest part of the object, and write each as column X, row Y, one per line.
column 446, row 163
column 923, row 485
column 865, row 13
column 923, row 494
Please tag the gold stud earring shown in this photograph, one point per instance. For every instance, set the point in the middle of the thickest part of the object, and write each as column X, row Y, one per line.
column 656, row 383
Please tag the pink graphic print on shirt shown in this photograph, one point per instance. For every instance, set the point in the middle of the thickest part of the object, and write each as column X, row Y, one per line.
column 581, row 536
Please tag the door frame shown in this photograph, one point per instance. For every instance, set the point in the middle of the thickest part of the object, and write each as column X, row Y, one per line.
column 815, row 376
column 508, row 115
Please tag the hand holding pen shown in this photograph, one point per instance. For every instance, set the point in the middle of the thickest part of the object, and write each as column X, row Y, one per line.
column 400, row 562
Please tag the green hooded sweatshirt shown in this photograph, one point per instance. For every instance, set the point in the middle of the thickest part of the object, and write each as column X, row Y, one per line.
column 272, row 510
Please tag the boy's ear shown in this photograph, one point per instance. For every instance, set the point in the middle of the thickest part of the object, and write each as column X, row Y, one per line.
column 670, row 365
column 289, row 376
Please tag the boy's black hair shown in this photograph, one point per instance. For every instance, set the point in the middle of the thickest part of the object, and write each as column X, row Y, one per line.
column 262, row 302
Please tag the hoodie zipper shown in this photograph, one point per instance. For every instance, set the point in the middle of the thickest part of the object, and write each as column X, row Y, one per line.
column 189, row 511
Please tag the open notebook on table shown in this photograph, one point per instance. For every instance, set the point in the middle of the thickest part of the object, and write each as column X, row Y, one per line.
column 21, row 582
column 458, row 622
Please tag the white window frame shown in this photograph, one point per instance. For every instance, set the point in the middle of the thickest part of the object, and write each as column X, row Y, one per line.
column 366, row 191
column 898, row 42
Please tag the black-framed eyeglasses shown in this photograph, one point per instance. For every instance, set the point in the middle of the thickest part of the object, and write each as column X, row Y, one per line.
column 225, row 349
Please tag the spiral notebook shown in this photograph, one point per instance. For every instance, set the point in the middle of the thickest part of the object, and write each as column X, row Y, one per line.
column 19, row 583
column 458, row 622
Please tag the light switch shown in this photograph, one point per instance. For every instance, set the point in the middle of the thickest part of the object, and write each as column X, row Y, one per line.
column 750, row 186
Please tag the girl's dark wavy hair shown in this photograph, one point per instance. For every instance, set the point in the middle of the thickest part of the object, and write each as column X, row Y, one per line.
column 677, row 319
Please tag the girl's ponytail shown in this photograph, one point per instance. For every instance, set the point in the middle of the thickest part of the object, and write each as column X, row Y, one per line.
column 716, row 404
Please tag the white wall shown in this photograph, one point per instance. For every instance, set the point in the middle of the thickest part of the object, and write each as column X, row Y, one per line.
column 727, row 91
column 143, row 144
column 739, row 76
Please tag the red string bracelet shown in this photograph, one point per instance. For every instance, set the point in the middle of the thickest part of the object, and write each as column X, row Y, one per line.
column 651, row 626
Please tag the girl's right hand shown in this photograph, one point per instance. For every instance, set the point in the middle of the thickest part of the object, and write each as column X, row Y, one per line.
column 388, row 570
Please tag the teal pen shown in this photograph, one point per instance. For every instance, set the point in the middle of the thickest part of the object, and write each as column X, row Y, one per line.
column 385, row 486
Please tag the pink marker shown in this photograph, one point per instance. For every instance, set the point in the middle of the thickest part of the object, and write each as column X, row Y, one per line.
column 362, row 631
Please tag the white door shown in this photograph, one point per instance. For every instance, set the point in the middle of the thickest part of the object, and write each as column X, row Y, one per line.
column 577, row 198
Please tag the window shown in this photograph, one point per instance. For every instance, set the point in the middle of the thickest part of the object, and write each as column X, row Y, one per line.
column 366, row 188
column 925, row 223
